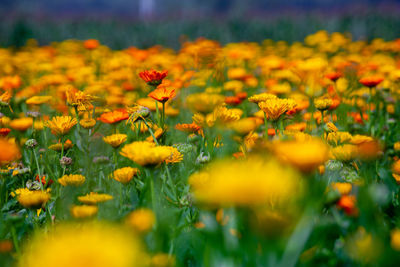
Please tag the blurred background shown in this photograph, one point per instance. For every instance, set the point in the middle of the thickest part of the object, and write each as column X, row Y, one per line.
column 144, row 23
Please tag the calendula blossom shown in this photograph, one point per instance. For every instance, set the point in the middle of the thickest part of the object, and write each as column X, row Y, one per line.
column 83, row 211
column 115, row 140
column 72, row 179
column 141, row 220
column 33, row 199
column 61, row 125
column 146, row 153
column 94, row 198
column 274, row 108
column 124, row 175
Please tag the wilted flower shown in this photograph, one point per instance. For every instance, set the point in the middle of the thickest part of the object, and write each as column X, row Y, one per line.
column 65, row 161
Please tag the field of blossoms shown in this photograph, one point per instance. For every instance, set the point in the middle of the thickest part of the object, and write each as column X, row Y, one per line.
column 245, row 154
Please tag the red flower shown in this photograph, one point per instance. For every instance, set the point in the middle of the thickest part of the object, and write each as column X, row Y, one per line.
column 242, row 95
column 162, row 94
column 4, row 131
column 371, row 81
column 233, row 100
column 153, row 77
column 44, row 180
column 348, row 204
column 333, row 76
column 114, row 116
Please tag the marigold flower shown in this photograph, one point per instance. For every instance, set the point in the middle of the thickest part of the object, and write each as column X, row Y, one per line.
column 188, row 127
column 115, row 140
column 93, row 198
column 83, row 211
column 124, row 175
column 72, row 179
column 333, row 76
column 203, row 102
column 342, row 188
column 246, row 125
column 21, row 124
column 262, row 97
column 348, row 204
column 162, row 94
column 38, row 100
column 153, row 77
column 33, row 199
column 58, row 147
column 61, row 125
column 250, row 182
column 323, row 103
column 91, row 44
column 84, row 245
column 4, row 132
column 87, row 123
column 371, row 81
column 9, row 151
column 141, row 220
column 395, row 239
column 5, row 98
column 175, row 156
column 145, row 153
column 344, row 152
column 274, row 108
column 79, row 99
column 305, row 155
column 114, row 116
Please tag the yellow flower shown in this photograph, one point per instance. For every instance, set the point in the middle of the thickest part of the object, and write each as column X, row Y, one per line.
column 141, row 220
column 204, row 103
column 125, row 175
column 58, row 147
column 38, row 100
column 175, row 156
column 331, row 127
column 262, row 97
column 245, row 126
column 395, row 239
column 21, row 124
column 84, row 245
column 5, row 98
column 396, row 146
column 72, row 179
column 162, row 260
column 362, row 246
column 342, row 188
column 32, row 199
column 79, row 99
column 345, row 152
column 323, row 103
column 336, row 138
column 305, row 155
column 61, row 125
column 359, row 139
column 145, row 153
column 94, row 198
column 83, row 211
column 87, row 123
column 274, row 108
column 224, row 115
column 254, row 181
column 9, row 151
column 115, row 140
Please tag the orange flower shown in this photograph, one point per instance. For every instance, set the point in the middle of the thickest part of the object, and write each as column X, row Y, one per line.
column 91, row 44
column 333, row 76
column 162, row 94
column 114, row 116
column 348, row 204
column 153, row 77
column 233, row 100
column 21, row 124
column 188, row 127
column 4, row 131
column 9, row 151
column 371, row 81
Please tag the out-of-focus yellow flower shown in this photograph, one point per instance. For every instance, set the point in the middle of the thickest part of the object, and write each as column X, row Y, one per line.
column 58, row 147
column 245, row 126
column 21, row 124
column 79, row 99
column 83, row 211
column 344, row 152
column 115, row 140
column 204, row 103
column 162, row 260
column 61, row 125
column 5, row 98
column 262, row 97
column 141, row 220
column 323, row 103
column 83, row 245
column 224, row 115
column 9, row 151
column 342, row 188
column 254, row 181
column 33, row 199
column 235, row 86
column 396, row 146
column 72, row 179
column 305, row 155
column 124, row 175
column 94, row 198
column 395, row 239
column 38, row 100
column 145, row 153
column 363, row 247
column 336, row 138
column 274, row 108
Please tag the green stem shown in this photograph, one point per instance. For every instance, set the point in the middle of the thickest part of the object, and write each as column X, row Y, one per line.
column 151, row 132
column 266, row 125
column 15, row 240
column 38, row 168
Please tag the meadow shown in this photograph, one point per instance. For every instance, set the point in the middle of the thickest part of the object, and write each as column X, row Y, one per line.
column 264, row 153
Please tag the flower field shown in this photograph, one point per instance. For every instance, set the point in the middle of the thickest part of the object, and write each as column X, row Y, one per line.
column 244, row 154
